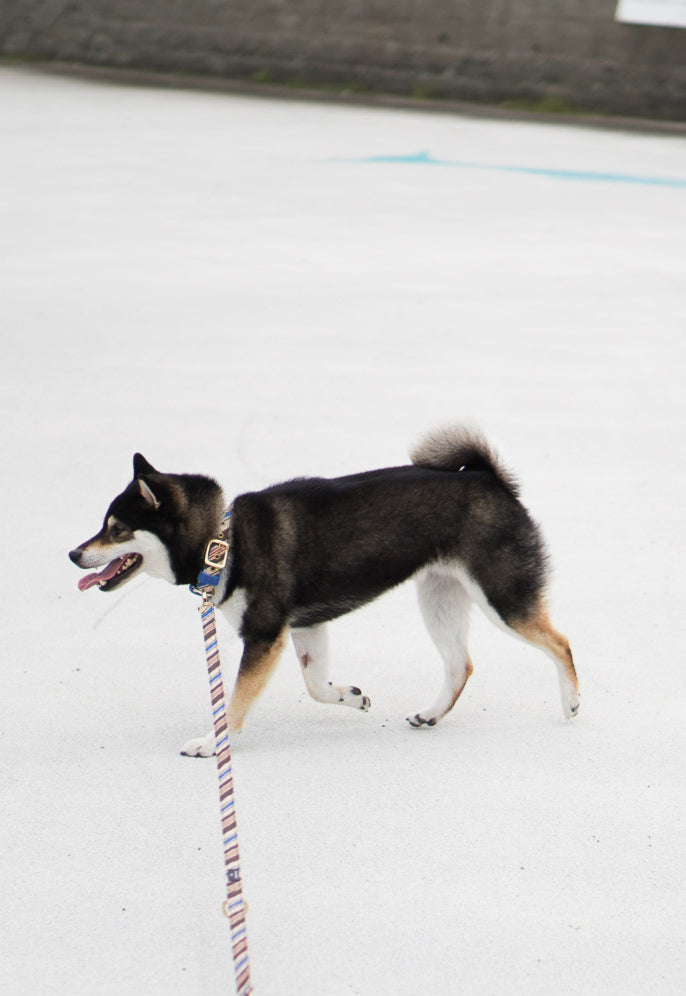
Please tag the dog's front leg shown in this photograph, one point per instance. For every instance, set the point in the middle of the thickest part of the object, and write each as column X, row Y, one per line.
column 257, row 663
column 311, row 646
column 200, row 746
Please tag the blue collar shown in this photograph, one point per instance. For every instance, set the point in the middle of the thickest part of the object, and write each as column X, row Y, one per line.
column 216, row 555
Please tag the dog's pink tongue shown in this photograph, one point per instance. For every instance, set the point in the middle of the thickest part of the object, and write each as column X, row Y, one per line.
column 104, row 575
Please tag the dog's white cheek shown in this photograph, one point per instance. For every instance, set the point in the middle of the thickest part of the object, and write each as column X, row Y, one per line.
column 155, row 557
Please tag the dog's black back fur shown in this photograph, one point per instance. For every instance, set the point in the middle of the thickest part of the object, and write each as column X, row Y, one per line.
column 355, row 537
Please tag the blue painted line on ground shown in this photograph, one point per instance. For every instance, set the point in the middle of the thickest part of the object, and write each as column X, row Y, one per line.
column 586, row 176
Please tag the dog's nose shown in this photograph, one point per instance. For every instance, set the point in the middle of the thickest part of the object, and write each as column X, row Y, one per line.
column 74, row 555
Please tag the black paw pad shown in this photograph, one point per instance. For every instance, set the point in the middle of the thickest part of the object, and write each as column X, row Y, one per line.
column 355, row 691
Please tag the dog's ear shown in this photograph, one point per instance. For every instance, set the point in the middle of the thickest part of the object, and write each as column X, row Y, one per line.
column 147, row 493
column 141, row 465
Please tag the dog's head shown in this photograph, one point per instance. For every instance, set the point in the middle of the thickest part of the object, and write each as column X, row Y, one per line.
column 158, row 524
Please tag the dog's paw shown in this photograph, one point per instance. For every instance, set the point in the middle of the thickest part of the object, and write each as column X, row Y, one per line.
column 350, row 696
column 419, row 720
column 200, row 747
column 571, row 706
column 362, row 702
column 356, row 699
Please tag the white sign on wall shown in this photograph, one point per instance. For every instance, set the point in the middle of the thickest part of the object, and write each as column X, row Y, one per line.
column 664, row 13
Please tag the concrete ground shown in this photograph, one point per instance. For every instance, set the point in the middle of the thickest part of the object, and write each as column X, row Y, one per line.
column 260, row 289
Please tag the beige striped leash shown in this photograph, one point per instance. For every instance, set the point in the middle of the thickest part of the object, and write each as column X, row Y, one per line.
column 234, row 905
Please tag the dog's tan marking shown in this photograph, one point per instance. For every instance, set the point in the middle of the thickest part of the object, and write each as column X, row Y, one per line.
column 257, row 664
column 539, row 631
column 429, row 717
column 468, row 670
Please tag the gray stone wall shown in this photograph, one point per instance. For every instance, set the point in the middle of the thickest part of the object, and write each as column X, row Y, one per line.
column 483, row 50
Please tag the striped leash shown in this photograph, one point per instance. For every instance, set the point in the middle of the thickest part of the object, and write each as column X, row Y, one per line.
column 234, row 905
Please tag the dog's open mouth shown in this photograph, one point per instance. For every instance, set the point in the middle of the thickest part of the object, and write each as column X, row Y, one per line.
column 112, row 575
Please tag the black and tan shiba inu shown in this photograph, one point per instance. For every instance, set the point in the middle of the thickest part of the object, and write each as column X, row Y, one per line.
column 306, row 551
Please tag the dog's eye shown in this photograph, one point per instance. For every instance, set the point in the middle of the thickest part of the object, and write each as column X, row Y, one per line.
column 117, row 531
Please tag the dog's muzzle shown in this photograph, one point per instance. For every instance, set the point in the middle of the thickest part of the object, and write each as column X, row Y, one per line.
column 111, row 575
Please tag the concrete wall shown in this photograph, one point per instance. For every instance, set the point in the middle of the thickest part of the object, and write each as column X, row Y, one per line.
column 490, row 50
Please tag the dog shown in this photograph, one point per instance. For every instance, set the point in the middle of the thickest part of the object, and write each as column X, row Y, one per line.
column 306, row 551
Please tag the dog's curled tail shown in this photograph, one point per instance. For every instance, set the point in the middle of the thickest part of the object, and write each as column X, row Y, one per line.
column 459, row 447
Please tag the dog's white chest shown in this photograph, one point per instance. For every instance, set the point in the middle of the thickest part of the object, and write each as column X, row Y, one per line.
column 234, row 608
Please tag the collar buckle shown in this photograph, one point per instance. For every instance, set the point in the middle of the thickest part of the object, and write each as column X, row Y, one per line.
column 216, row 553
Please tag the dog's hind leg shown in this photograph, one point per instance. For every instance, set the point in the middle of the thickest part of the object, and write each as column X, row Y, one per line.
column 445, row 605
column 538, row 631
column 311, row 646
